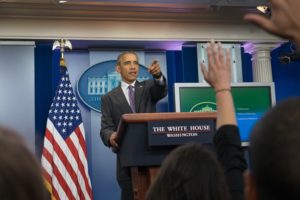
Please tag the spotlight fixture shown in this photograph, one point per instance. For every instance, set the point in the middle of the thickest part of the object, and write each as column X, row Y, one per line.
column 289, row 58
column 264, row 9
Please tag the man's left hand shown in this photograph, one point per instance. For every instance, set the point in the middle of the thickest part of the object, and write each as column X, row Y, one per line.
column 154, row 69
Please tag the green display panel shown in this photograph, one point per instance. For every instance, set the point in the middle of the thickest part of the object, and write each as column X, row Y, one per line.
column 251, row 101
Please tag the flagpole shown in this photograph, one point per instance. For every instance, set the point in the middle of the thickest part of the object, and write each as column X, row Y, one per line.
column 62, row 44
column 64, row 157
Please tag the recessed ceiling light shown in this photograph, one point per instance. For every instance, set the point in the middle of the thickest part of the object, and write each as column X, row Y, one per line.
column 61, row 1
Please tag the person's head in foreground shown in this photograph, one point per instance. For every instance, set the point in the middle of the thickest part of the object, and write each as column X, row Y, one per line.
column 190, row 172
column 20, row 173
column 275, row 154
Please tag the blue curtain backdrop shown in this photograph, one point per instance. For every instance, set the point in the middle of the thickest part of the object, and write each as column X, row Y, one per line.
column 47, row 75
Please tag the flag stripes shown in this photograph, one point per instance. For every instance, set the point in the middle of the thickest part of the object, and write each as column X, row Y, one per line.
column 75, row 182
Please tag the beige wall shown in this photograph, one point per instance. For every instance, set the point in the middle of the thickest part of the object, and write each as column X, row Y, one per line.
column 130, row 30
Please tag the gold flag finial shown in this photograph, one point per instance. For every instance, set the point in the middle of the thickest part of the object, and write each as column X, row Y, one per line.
column 62, row 44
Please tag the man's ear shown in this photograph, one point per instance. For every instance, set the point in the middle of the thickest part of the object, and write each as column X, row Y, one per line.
column 118, row 69
column 250, row 187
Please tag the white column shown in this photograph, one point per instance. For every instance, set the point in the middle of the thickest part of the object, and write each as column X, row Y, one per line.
column 261, row 61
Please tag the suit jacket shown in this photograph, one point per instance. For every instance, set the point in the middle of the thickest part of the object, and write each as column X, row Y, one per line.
column 114, row 105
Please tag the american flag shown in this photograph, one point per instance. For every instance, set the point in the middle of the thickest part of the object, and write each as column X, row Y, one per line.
column 64, row 158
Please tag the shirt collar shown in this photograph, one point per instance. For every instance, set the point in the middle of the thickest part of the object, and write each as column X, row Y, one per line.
column 125, row 85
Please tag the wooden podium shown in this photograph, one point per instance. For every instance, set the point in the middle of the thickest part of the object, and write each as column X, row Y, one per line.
column 136, row 152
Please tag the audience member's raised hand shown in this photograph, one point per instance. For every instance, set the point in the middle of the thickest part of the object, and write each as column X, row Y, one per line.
column 218, row 75
column 284, row 21
column 218, row 72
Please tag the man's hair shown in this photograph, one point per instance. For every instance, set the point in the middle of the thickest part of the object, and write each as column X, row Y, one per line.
column 189, row 172
column 120, row 56
column 20, row 173
column 275, row 152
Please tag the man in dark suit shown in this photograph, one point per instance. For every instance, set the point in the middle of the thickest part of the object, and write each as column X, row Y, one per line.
column 130, row 97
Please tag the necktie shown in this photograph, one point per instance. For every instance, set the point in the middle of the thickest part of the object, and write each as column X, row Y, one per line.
column 131, row 97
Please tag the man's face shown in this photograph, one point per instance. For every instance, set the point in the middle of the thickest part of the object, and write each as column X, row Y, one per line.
column 128, row 68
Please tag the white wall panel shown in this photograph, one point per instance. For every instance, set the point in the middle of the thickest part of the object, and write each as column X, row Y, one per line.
column 17, row 88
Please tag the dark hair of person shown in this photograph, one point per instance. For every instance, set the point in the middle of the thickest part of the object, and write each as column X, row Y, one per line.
column 20, row 173
column 119, row 59
column 275, row 152
column 190, row 172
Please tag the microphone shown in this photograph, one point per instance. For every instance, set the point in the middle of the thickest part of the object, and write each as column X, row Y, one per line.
column 289, row 58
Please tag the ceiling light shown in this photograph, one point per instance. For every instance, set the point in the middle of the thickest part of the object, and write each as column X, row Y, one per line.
column 263, row 8
column 61, row 1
